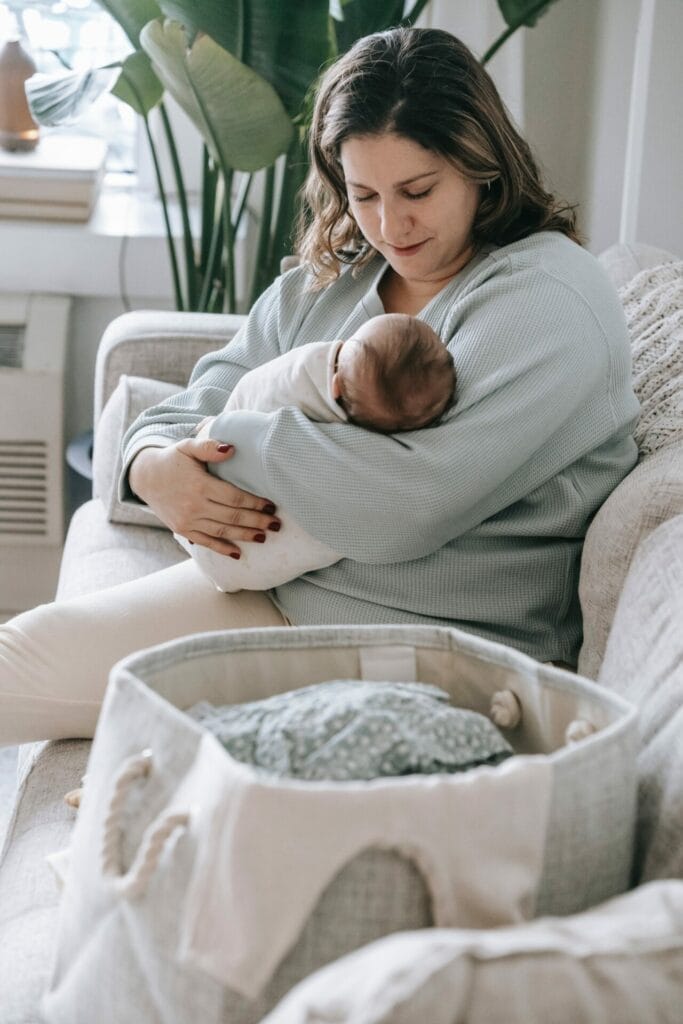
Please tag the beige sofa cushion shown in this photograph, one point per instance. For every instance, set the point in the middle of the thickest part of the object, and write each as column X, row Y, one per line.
column 29, row 895
column 132, row 396
column 648, row 496
column 622, row 961
column 644, row 663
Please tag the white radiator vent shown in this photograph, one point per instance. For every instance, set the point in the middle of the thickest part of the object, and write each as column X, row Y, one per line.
column 11, row 346
column 23, row 488
column 33, row 336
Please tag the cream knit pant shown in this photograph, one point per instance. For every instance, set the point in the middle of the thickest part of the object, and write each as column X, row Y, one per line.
column 55, row 659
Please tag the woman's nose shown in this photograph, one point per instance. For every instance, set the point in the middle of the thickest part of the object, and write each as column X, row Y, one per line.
column 394, row 223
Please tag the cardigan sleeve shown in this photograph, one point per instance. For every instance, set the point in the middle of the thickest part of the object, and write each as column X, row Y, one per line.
column 213, row 379
column 534, row 373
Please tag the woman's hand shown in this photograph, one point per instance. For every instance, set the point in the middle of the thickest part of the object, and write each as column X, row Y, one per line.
column 175, row 483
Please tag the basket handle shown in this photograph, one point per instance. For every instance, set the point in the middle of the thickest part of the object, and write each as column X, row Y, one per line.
column 133, row 883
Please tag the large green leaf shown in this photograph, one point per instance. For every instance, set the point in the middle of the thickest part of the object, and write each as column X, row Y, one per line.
column 360, row 18
column 62, row 98
column 137, row 85
column 237, row 112
column 523, row 12
column 132, row 15
column 286, row 42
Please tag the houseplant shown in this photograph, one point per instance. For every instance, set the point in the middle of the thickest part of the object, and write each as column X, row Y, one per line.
column 243, row 70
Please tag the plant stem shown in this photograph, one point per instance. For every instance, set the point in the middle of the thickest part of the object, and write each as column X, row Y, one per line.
column 511, row 29
column 414, row 13
column 215, row 246
column 209, row 184
column 294, row 173
column 188, row 241
column 260, row 271
column 164, row 206
column 241, row 200
column 228, row 244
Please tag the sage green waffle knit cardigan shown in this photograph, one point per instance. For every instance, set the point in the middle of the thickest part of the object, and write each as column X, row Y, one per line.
column 477, row 522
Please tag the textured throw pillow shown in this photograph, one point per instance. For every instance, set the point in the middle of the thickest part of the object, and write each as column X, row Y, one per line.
column 132, row 396
column 653, row 492
column 653, row 305
column 348, row 729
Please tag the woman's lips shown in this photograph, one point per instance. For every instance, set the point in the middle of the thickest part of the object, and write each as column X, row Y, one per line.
column 407, row 250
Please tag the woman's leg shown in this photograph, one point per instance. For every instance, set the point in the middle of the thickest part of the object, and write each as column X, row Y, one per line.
column 55, row 659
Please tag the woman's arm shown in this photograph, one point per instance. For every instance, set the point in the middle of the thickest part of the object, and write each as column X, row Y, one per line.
column 535, row 395
column 166, row 468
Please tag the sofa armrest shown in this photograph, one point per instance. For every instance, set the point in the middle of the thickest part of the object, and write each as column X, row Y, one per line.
column 157, row 344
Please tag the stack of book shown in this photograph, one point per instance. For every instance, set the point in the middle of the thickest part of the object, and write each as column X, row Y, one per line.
column 59, row 180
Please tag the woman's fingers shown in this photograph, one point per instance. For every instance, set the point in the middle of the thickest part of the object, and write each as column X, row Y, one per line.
column 176, row 484
column 223, row 547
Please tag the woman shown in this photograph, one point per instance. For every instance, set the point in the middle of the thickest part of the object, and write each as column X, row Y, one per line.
column 424, row 200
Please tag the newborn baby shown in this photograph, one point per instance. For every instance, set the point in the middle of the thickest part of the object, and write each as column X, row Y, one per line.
column 393, row 374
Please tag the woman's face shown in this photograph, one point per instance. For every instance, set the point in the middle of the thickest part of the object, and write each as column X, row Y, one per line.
column 411, row 205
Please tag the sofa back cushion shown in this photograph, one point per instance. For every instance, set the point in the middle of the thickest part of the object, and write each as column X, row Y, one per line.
column 132, row 396
column 650, row 495
column 653, row 305
column 644, row 663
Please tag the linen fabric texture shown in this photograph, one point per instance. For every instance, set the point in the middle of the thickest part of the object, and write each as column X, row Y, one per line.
column 130, row 398
column 644, row 664
column 163, row 942
column 622, row 961
column 500, row 492
column 653, row 492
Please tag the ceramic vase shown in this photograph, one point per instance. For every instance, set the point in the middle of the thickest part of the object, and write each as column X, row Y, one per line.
column 18, row 130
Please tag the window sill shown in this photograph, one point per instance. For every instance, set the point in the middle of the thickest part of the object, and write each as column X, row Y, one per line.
column 125, row 233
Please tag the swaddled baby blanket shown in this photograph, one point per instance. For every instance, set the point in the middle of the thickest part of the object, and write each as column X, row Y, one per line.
column 349, row 729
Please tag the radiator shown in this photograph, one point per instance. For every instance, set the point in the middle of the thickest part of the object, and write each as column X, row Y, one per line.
column 33, row 340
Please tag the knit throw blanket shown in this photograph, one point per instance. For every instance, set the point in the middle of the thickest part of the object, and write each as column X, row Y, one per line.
column 653, row 304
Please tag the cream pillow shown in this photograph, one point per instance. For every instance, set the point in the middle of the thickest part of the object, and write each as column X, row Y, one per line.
column 621, row 961
column 132, row 396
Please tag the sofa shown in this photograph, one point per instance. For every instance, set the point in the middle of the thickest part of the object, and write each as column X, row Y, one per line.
column 631, row 590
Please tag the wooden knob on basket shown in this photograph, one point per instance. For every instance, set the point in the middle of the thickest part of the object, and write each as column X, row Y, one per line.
column 505, row 710
column 578, row 730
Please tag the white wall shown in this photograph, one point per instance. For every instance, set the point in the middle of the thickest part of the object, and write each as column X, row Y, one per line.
column 567, row 81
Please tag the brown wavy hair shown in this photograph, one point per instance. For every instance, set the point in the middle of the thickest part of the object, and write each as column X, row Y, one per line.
column 424, row 85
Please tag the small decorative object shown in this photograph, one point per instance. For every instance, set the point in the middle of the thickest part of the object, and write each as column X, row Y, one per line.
column 578, row 730
column 18, row 130
column 505, row 710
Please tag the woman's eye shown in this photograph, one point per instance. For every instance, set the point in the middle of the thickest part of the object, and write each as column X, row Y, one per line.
column 418, row 195
column 361, row 199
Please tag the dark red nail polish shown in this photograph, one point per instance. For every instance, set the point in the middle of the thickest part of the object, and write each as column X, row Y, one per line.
column 269, row 509
column 260, row 538
column 275, row 526
column 234, row 554
column 223, row 448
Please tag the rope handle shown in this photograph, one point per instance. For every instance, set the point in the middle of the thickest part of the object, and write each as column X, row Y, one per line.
column 133, row 884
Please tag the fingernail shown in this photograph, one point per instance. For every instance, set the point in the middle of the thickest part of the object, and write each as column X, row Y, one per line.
column 191, row 542
column 234, row 554
column 260, row 538
column 275, row 526
column 223, row 448
column 269, row 509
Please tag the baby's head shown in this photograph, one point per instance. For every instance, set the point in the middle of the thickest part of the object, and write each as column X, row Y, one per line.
column 394, row 374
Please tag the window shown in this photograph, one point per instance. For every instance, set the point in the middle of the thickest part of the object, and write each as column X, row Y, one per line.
column 78, row 34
